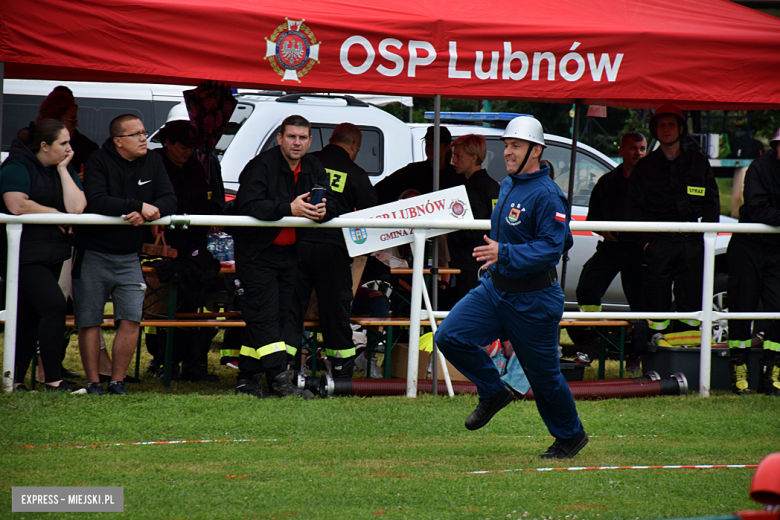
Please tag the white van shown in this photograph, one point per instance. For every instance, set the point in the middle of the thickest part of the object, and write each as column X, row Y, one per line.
column 98, row 103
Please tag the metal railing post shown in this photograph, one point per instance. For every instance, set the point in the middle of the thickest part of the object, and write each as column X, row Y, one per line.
column 418, row 286
column 708, row 277
column 14, row 234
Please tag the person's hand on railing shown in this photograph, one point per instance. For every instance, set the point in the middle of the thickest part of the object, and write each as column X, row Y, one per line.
column 150, row 212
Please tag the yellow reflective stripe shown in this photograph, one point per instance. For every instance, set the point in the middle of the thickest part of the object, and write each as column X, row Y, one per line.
column 348, row 352
column 229, row 352
column 150, row 330
column 692, row 323
column 771, row 345
column 691, row 338
column 658, row 325
column 291, row 350
column 263, row 351
column 590, row 308
column 736, row 343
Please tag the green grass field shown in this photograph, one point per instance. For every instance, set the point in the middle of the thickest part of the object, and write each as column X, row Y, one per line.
column 388, row 457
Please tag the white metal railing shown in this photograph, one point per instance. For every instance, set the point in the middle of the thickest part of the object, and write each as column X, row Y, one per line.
column 420, row 226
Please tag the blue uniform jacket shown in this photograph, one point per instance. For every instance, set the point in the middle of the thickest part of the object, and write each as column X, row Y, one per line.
column 530, row 222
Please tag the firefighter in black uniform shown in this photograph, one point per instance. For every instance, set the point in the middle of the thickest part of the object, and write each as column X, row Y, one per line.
column 275, row 184
column 193, row 196
column 754, row 274
column 419, row 175
column 673, row 184
column 618, row 252
column 323, row 261
column 468, row 152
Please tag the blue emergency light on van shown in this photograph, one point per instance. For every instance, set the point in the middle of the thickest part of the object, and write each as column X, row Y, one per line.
column 475, row 116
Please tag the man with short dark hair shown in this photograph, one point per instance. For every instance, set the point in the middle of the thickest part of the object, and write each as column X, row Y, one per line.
column 618, row 253
column 275, row 184
column 195, row 267
column 120, row 180
column 419, row 175
column 754, row 274
column 673, row 184
column 323, row 261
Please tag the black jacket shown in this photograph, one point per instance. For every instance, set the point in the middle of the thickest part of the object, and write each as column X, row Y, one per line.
column 483, row 194
column 41, row 243
column 680, row 190
column 350, row 190
column 266, row 188
column 761, row 195
column 192, row 197
column 115, row 186
column 418, row 176
column 609, row 201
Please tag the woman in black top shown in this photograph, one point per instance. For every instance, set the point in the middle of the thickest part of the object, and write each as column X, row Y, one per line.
column 37, row 178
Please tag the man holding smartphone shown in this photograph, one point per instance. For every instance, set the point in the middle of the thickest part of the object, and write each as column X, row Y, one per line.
column 323, row 261
column 275, row 184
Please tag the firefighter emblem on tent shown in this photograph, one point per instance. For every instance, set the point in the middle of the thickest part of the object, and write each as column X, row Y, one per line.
column 292, row 50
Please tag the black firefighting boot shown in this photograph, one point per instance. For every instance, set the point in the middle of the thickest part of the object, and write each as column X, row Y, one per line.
column 342, row 368
column 769, row 379
column 740, row 373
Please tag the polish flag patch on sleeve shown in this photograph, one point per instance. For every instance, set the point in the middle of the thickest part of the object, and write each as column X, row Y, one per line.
column 560, row 217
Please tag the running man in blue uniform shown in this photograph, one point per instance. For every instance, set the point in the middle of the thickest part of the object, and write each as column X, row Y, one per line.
column 519, row 298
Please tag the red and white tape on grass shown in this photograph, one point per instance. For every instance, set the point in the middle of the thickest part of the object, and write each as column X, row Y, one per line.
column 150, row 443
column 593, row 468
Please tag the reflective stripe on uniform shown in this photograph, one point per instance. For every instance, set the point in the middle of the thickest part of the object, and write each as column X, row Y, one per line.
column 347, row 352
column 263, row 351
column 737, row 343
column 291, row 350
column 771, row 345
column 658, row 325
column 150, row 330
column 590, row 308
column 229, row 352
column 692, row 323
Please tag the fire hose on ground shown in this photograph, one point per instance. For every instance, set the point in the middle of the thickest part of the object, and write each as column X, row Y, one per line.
column 646, row 386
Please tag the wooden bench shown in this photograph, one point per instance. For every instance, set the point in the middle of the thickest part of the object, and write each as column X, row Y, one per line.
column 234, row 319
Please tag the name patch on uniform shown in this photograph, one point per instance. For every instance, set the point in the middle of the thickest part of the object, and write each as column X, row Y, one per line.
column 560, row 217
column 696, row 190
column 337, row 180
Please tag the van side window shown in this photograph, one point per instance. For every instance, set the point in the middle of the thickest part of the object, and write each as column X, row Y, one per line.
column 370, row 157
column 589, row 169
column 238, row 118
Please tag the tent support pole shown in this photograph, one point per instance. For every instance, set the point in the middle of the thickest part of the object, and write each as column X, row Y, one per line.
column 436, row 184
column 572, row 170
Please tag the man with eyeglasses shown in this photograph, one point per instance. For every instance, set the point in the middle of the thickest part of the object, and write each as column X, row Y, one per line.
column 120, row 180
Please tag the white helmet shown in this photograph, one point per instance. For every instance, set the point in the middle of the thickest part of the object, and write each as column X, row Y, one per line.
column 776, row 139
column 526, row 128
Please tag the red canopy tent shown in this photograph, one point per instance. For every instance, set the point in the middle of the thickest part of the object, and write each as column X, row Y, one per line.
column 702, row 54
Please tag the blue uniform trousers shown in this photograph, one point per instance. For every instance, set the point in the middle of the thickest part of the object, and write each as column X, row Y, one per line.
column 530, row 321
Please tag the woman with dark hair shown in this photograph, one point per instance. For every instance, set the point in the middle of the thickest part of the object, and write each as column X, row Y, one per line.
column 60, row 105
column 37, row 178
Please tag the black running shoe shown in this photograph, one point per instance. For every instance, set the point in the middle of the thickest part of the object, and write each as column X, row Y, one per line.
column 566, row 449
column 117, row 388
column 95, row 389
column 489, row 407
column 64, row 386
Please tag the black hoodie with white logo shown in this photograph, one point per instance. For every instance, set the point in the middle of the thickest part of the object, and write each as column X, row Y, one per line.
column 115, row 186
